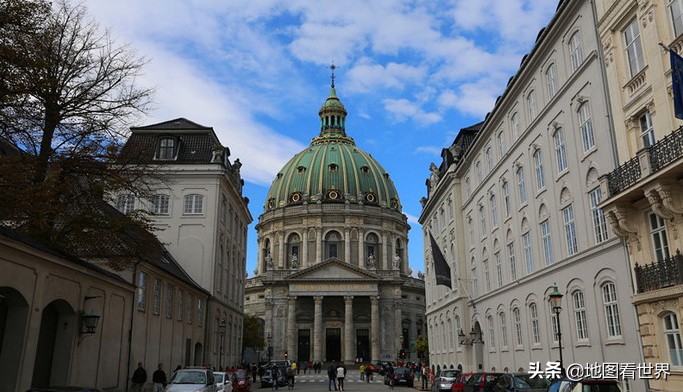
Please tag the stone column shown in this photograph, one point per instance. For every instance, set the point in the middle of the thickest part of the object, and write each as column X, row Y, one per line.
column 282, row 263
column 318, row 246
column 361, row 248
column 374, row 328
column 304, row 249
column 318, row 329
column 347, row 246
column 259, row 258
column 404, row 257
column 398, row 328
column 269, row 319
column 348, row 331
column 385, row 263
column 291, row 329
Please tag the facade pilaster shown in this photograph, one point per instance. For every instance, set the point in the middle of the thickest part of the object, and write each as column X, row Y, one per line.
column 398, row 328
column 386, row 263
column 319, row 246
column 374, row 328
column 348, row 330
column 304, row 249
column 291, row 328
column 347, row 245
column 281, row 263
column 318, row 329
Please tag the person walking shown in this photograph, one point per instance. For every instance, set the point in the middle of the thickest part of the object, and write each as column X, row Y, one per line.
column 390, row 376
column 254, row 371
column 341, row 374
column 423, row 375
column 331, row 377
column 361, row 370
column 368, row 373
column 139, row 378
column 275, row 375
column 159, row 378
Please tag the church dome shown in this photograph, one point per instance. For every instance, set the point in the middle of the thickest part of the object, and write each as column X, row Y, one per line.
column 332, row 169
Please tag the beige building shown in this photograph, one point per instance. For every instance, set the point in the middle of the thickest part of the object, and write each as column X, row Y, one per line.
column 202, row 218
column 332, row 281
column 513, row 207
column 643, row 197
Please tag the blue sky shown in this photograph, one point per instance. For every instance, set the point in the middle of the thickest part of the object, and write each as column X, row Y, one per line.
column 410, row 73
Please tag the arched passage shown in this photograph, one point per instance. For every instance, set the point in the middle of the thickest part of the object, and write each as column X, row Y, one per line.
column 13, row 319
column 53, row 352
column 198, row 353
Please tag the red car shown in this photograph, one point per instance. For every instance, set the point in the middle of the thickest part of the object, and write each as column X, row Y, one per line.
column 241, row 382
column 459, row 384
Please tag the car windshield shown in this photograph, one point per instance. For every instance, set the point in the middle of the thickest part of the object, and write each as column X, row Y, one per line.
column 218, row 377
column 526, row 381
column 189, row 377
column 449, row 373
column 400, row 370
column 240, row 374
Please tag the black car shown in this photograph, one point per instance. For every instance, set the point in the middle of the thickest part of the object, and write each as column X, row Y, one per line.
column 520, row 382
column 267, row 378
column 444, row 380
column 402, row 376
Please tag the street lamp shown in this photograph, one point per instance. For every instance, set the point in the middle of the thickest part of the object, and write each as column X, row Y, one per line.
column 555, row 304
column 221, row 339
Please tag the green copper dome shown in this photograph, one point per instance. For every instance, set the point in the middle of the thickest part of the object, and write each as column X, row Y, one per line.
column 332, row 169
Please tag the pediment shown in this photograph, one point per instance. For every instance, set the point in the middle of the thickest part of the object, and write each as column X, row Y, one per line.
column 333, row 269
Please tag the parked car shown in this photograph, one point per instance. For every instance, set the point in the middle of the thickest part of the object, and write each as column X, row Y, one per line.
column 241, row 382
column 402, row 376
column 458, row 384
column 587, row 384
column 444, row 380
column 192, row 380
column 267, row 379
column 520, row 382
column 481, row 382
column 223, row 383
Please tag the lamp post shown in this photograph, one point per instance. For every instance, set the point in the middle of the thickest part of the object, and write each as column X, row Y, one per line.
column 221, row 339
column 555, row 304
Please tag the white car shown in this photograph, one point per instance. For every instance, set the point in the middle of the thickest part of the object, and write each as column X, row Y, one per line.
column 192, row 380
column 223, row 382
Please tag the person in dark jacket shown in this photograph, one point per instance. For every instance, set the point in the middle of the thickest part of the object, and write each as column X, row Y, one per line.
column 139, row 378
column 331, row 377
column 159, row 378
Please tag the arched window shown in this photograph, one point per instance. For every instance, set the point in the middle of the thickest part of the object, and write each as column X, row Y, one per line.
column 586, row 126
column 560, row 150
column 575, row 51
column 514, row 125
column 531, row 103
column 538, row 169
column 521, row 185
column 503, row 330
column 293, row 243
column 518, row 326
column 535, row 330
column 580, row 315
column 672, row 334
column 125, row 203
column 609, row 302
column 332, row 244
column 551, row 80
column 193, row 204
column 492, row 332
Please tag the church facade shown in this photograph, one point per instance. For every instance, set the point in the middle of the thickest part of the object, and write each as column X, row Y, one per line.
column 332, row 281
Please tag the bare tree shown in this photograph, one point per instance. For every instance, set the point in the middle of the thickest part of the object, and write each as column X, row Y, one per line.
column 67, row 92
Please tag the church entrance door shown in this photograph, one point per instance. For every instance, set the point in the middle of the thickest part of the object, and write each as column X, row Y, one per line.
column 304, row 353
column 363, row 344
column 333, row 344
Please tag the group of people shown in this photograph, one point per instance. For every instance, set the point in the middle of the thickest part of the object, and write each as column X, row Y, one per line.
column 335, row 375
column 313, row 367
column 158, row 378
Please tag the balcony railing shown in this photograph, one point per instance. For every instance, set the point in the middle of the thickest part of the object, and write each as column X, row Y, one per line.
column 659, row 156
column 624, row 176
column 660, row 274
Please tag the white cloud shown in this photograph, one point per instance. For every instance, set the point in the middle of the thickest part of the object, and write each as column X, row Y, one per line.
column 402, row 109
column 366, row 75
column 412, row 219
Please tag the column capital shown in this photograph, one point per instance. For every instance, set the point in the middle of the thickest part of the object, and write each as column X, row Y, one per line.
column 374, row 300
column 292, row 300
column 318, row 300
column 348, row 299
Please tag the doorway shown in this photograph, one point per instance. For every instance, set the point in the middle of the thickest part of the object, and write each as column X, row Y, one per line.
column 363, row 344
column 13, row 317
column 333, row 344
column 57, row 328
column 304, row 345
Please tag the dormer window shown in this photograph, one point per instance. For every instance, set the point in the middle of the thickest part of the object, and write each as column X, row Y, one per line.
column 364, row 169
column 167, row 148
column 301, row 170
column 333, row 167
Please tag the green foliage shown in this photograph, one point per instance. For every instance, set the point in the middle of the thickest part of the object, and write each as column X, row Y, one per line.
column 253, row 333
column 422, row 348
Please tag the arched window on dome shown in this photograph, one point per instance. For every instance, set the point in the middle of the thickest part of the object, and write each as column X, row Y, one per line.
column 293, row 256
column 333, row 246
column 398, row 254
column 371, row 250
column 267, row 257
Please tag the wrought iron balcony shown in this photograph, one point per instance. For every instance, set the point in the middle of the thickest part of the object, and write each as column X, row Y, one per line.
column 648, row 161
column 660, row 274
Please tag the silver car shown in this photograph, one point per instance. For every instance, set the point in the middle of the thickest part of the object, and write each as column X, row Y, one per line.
column 192, row 380
column 444, row 380
column 223, row 382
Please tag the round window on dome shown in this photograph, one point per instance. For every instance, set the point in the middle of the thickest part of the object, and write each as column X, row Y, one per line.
column 295, row 197
column 333, row 195
column 394, row 203
column 333, row 167
column 371, row 197
column 271, row 203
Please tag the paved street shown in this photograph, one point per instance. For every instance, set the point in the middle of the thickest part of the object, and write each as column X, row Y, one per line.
column 318, row 382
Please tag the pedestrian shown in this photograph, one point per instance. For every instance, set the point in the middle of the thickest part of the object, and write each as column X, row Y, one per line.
column 361, row 370
column 341, row 374
column 290, row 378
column 159, row 378
column 331, row 377
column 423, row 374
column 275, row 376
column 139, row 378
column 368, row 373
column 254, row 370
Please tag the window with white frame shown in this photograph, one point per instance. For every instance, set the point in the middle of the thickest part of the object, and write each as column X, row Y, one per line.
column 160, row 204
column 489, row 159
column 599, row 221
column 521, row 187
column 676, row 10
column 580, row 315
column 166, row 149
column 514, row 125
column 482, row 219
column 570, row 229
column 125, row 203
column 634, row 48
column 499, row 268
column 194, row 204
column 672, row 334
column 560, row 150
column 503, row 330
column 547, row 242
column 512, row 261
column 468, row 187
column 609, row 302
column 502, row 146
column 156, row 296
column 551, row 80
column 477, row 170
column 142, row 291
column 575, row 51
column 586, row 126
column 647, row 131
column 487, row 275
column 538, row 169
column 528, row 255
column 494, row 211
column 531, row 103
column 518, row 327
column 660, row 244
column 492, row 332
column 475, row 290
column 535, row 330
column 470, row 229
column 506, row 197
column 170, row 295
column 553, row 323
